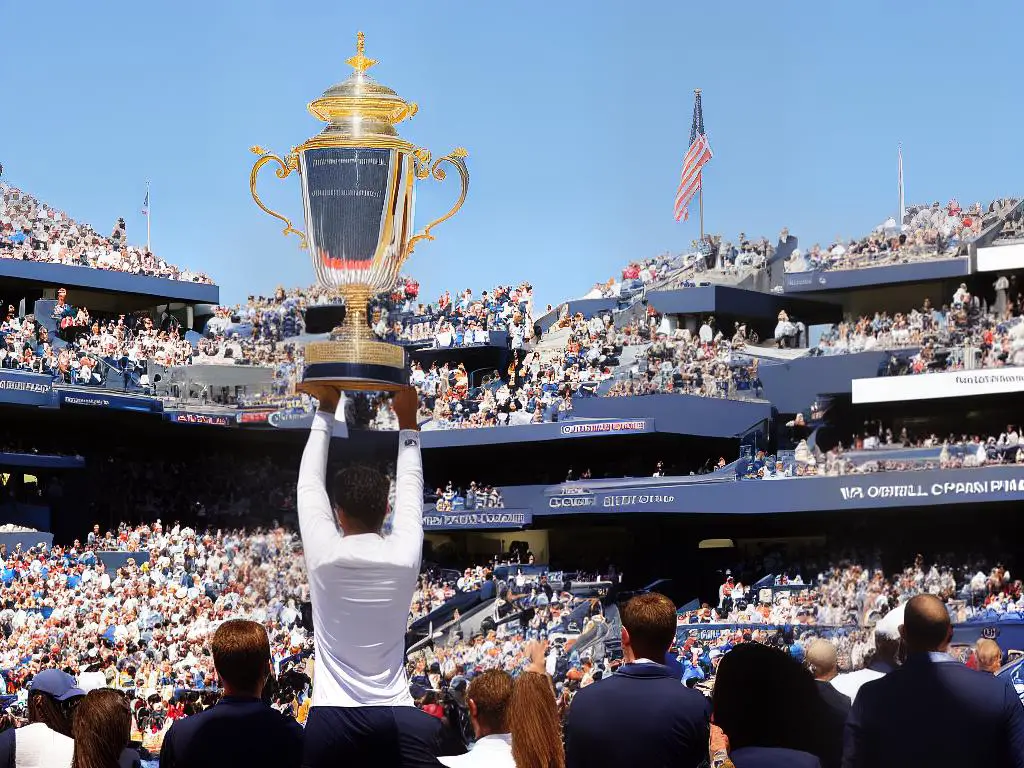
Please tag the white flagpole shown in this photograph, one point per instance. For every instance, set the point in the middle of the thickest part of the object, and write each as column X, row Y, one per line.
column 149, row 218
column 902, row 209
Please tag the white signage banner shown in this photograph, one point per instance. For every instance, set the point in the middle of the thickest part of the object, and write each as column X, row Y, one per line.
column 931, row 386
column 993, row 258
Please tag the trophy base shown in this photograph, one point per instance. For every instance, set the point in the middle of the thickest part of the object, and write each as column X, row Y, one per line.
column 355, row 365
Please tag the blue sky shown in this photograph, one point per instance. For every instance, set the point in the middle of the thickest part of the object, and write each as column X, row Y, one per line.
column 575, row 115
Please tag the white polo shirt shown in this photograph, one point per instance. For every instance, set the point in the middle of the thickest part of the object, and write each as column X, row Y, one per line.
column 360, row 586
column 494, row 751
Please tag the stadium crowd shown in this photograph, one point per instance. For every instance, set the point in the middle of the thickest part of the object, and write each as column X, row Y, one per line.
column 31, row 230
column 145, row 627
column 927, row 232
column 965, row 333
column 705, row 364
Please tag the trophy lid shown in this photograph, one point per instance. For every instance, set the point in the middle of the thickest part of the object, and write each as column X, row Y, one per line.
column 359, row 106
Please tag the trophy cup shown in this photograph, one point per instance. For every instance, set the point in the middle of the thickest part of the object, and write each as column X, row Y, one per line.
column 358, row 192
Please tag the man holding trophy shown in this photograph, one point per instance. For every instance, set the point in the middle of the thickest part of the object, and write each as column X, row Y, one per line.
column 358, row 188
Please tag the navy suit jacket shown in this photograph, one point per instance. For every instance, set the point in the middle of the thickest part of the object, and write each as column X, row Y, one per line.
column 235, row 733
column 642, row 715
column 935, row 713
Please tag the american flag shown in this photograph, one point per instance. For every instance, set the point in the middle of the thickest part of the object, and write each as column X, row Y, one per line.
column 698, row 154
column 145, row 204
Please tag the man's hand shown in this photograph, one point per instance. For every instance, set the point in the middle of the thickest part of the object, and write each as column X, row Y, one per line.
column 406, row 403
column 718, row 747
column 327, row 397
column 537, row 651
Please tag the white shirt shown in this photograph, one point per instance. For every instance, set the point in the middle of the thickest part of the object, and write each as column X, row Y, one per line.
column 494, row 751
column 360, row 586
column 849, row 683
column 36, row 746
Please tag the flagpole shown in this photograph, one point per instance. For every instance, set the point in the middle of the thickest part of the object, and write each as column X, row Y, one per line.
column 149, row 219
column 700, row 199
column 899, row 218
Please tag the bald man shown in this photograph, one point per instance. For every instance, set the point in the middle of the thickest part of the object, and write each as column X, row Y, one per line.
column 988, row 655
column 822, row 662
column 933, row 710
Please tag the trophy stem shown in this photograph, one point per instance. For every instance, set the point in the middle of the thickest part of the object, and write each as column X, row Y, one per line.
column 356, row 324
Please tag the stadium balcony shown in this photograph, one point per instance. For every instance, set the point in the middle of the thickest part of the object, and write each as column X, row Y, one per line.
column 41, row 245
column 1003, row 248
column 932, row 243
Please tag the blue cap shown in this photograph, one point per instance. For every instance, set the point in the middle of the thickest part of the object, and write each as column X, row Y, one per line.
column 56, row 684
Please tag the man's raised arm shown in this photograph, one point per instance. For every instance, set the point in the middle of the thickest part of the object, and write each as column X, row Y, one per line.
column 407, row 526
column 316, row 518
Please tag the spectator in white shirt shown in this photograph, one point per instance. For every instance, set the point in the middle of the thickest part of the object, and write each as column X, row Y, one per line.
column 488, row 696
column 361, row 584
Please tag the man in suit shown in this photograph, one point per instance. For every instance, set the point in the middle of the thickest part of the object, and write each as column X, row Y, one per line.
column 933, row 710
column 641, row 715
column 240, row 729
column 823, row 663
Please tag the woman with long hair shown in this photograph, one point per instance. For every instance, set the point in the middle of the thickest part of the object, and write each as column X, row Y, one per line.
column 102, row 730
column 535, row 725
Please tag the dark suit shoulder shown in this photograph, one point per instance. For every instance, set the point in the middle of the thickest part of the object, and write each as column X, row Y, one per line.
column 619, row 688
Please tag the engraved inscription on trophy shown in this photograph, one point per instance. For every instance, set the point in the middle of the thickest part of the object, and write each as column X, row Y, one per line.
column 347, row 191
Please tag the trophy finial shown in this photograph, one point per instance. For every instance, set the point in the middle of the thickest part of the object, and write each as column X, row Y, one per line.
column 360, row 62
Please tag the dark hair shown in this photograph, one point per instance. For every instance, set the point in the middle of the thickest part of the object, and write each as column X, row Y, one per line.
column 361, row 493
column 650, row 620
column 491, row 692
column 751, row 681
column 241, row 654
column 43, row 708
column 103, row 728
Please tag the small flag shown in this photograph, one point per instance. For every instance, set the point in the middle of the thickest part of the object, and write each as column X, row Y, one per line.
column 696, row 157
column 145, row 203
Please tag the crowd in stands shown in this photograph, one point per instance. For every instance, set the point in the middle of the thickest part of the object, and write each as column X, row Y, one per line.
column 143, row 628
column 31, row 230
column 709, row 257
column 966, row 333
column 877, row 449
column 533, row 391
column 452, row 499
column 927, row 232
column 81, row 343
column 703, row 364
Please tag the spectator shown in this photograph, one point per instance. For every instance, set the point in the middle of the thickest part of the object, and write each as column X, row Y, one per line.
column 361, row 585
column 46, row 741
column 775, row 723
column 989, row 656
column 885, row 660
column 240, row 729
column 103, row 725
column 536, row 736
column 488, row 699
column 641, row 715
column 822, row 662
column 933, row 710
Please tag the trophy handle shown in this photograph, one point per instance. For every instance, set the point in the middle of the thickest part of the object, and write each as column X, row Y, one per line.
column 282, row 173
column 456, row 158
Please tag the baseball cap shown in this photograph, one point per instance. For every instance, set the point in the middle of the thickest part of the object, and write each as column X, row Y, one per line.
column 57, row 684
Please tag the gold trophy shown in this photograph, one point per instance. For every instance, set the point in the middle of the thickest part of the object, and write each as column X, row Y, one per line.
column 358, row 192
